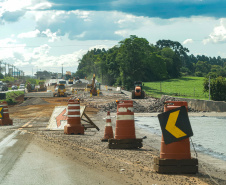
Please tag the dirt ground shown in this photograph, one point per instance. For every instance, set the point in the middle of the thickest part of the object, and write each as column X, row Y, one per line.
column 130, row 166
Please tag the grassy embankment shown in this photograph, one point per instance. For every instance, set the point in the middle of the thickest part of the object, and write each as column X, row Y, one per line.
column 187, row 87
column 11, row 97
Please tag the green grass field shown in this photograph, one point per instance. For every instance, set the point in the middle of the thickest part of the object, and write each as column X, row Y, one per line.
column 187, row 87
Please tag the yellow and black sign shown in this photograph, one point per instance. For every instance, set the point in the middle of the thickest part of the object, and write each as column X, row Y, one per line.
column 175, row 125
column 1, row 112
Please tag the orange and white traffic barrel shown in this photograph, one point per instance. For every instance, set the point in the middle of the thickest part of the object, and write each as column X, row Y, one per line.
column 169, row 105
column 108, row 132
column 74, row 125
column 125, row 125
column 5, row 116
column 179, row 149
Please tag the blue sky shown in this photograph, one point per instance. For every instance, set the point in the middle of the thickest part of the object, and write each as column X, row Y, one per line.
column 44, row 34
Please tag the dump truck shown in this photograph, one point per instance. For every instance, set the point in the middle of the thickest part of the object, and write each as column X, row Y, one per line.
column 138, row 91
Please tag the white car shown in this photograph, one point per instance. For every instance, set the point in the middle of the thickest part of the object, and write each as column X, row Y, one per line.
column 22, row 86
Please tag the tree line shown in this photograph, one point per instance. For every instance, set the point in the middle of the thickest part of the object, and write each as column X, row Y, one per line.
column 136, row 59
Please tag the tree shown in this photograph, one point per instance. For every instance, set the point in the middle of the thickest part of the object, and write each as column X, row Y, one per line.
column 155, row 68
column 180, row 59
column 112, row 71
column 217, row 88
column 202, row 68
column 1, row 76
column 173, row 63
column 133, row 53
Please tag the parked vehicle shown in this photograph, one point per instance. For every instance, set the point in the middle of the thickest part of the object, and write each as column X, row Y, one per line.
column 14, row 87
column 3, row 86
column 22, row 86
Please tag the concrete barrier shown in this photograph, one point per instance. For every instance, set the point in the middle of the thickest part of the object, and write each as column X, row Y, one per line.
column 201, row 105
column 38, row 94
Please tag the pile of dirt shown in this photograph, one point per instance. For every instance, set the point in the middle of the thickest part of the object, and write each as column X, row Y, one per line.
column 34, row 101
column 148, row 105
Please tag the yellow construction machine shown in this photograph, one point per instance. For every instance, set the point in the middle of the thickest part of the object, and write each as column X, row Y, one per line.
column 60, row 90
column 93, row 89
column 42, row 86
column 31, row 87
column 70, row 81
column 138, row 91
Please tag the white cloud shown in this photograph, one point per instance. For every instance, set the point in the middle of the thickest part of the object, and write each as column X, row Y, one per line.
column 17, row 5
column 218, row 35
column 88, row 25
column 14, row 5
column 188, row 41
column 39, row 6
column 123, row 33
column 5, row 42
column 81, row 35
column 13, row 10
column 41, row 57
column 86, row 15
column 53, row 36
column 8, row 46
column 30, row 34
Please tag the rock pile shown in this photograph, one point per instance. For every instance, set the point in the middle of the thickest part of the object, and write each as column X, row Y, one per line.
column 148, row 105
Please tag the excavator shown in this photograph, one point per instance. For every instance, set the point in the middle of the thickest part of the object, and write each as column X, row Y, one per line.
column 92, row 87
column 138, row 91
column 31, row 87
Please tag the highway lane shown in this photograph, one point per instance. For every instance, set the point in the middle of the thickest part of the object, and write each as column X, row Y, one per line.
column 24, row 161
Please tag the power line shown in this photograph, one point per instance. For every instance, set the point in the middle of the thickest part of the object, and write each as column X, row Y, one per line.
column 56, row 46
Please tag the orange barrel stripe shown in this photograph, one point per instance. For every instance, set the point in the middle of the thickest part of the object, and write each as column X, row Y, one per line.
column 5, row 110
column 125, row 126
column 108, row 133
column 180, row 149
column 108, row 119
column 73, row 121
column 124, row 101
column 169, row 105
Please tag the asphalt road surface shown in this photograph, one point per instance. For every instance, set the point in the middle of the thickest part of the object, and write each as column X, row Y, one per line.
column 25, row 161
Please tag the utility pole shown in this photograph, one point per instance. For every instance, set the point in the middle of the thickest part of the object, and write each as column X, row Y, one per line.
column 0, row 66
column 209, row 87
column 17, row 73
column 14, row 70
column 5, row 69
column 62, row 71
column 8, row 69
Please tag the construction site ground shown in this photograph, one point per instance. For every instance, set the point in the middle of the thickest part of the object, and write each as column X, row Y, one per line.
column 124, row 166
